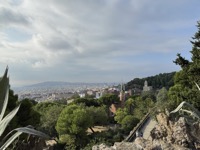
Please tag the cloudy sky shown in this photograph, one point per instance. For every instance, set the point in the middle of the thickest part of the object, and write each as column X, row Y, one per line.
column 93, row 40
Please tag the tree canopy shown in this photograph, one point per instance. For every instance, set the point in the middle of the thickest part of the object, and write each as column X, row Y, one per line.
column 157, row 81
column 185, row 88
column 74, row 120
column 49, row 113
column 108, row 99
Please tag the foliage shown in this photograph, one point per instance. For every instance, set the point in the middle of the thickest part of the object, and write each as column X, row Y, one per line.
column 148, row 94
column 157, row 81
column 190, row 110
column 126, row 120
column 27, row 115
column 142, row 107
column 98, row 114
column 109, row 138
column 86, row 101
column 120, row 115
column 12, row 100
column 4, row 120
column 134, row 110
column 129, row 122
column 72, row 123
column 73, row 119
column 108, row 99
column 12, row 103
column 49, row 113
column 184, row 88
column 162, row 96
column 130, row 104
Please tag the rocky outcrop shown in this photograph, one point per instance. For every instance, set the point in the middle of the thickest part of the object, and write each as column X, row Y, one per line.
column 174, row 133
column 183, row 133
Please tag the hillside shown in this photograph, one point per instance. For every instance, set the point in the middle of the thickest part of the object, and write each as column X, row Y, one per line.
column 157, row 81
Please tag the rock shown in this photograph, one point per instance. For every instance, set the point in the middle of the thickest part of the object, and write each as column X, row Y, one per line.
column 168, row 134
column 178, row 135
column 101, row 147
column 126, row 146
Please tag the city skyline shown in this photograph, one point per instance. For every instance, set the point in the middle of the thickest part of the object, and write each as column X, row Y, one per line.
column 93, row 41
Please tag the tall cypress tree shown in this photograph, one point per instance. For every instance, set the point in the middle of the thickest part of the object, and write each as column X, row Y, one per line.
column 185, row 88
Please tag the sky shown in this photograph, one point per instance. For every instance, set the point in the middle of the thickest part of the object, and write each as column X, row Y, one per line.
column 93, row 40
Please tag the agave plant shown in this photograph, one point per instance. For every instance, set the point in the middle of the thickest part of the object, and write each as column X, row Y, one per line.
column 4, row 120
column 193, row 112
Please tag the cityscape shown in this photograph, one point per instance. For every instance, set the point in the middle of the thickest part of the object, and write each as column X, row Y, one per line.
column 63, row 90
column 52, row 91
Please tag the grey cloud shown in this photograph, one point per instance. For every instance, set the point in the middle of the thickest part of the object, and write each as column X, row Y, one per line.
column 55, row 43
column 10, row 17
column 79, row 38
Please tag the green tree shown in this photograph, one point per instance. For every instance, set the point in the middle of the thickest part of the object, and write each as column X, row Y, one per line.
column 148, row 94
column 129, row 104
column 12, row 101
column 129, row 122
column 120, row 115
column 186, row 78
column 157, row 81
column 142, row 107
column 86, row 101
column 98, row 114
column 108, row 99
column 126, row 120
column 27, row 115
column 162, row 96
column 73, row 122
column 49, row 112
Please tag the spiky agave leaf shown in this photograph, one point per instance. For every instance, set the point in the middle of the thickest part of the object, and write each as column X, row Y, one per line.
column 28, row 130
column 7, row 119
column 194, row 111
column 4, row 92
column 197, row 86
column 10, row 140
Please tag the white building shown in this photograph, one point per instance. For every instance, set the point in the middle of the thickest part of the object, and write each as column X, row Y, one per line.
column 146, row 87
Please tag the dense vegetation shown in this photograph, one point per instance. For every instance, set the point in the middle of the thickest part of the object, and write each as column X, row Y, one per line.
column 71, row 125
column 185, row 88
column 8, row 110
column 157, row 81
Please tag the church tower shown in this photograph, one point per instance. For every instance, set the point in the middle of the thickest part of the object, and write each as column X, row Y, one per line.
column 122, row 95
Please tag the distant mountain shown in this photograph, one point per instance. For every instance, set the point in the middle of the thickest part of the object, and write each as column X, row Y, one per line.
column 157, row 81
column 52, row 83
column 44, row 87
column 64, row 84
column 60, row 83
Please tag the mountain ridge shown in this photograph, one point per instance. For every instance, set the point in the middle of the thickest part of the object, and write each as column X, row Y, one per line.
column 62, row 83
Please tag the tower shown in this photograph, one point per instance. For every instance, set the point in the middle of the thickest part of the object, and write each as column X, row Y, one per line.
column 146, row 87
column 122, row 95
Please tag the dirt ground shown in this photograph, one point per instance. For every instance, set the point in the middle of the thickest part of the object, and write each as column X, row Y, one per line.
column 98, row 128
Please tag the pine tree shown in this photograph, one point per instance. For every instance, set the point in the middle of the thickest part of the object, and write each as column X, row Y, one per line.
column 194, row 70
column 185, row 88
